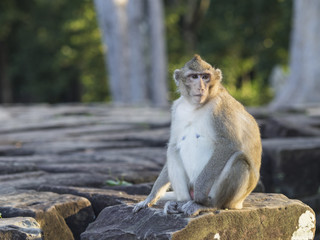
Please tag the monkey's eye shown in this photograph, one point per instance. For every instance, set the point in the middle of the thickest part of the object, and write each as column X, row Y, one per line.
column 194, row 76
column 205, row 77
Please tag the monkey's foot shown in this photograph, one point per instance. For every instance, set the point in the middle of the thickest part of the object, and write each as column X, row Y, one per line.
column 173, row 207
column 193, row 209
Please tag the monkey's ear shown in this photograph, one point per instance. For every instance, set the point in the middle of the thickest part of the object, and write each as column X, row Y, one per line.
column 176, row 76
column 218, row 74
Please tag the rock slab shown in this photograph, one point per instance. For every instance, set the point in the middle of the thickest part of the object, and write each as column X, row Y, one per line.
column 285, row 162
column 61, row 217
column 99, row 198
column 264, row 216
column 22, row 228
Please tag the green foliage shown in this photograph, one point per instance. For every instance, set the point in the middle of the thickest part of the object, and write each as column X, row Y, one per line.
column 54, row 52
column 245, row 39
column 117, row 182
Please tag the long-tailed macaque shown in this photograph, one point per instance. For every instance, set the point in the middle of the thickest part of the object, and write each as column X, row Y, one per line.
column 214, row 151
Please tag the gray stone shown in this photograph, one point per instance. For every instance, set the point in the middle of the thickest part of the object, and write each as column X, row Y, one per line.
column 70, row 146
column 4, row 115
column 9, row 150
column 76, row 148
column 291, row 166
column 264, row 216
column 99, row 198
column 290, row 125
column 313, row 202
column 20, row 228
column 60, row 216
column 14, row 167
column 30, row 180
column 140, row 189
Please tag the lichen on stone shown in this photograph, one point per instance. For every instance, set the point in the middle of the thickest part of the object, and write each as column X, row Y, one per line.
column 305, row 228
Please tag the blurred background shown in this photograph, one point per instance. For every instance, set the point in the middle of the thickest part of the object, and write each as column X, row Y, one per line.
column 126, row 51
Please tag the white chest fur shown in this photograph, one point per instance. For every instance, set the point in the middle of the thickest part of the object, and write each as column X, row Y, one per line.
column 194, row 137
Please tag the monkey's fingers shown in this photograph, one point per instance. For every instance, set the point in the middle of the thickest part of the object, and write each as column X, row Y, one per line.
column 140, row 206
column 171, row 207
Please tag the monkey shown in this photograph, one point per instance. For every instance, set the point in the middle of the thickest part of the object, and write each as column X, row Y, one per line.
column 214, row 150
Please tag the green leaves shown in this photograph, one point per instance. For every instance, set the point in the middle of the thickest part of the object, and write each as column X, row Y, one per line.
column 117, row 183
column 54, row 51
column 245, row 39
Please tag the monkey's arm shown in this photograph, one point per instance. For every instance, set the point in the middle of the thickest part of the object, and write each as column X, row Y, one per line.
column 159, row 188
column 177, row 175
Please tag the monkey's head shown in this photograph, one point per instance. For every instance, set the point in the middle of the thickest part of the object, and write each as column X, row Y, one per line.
column 197, row 80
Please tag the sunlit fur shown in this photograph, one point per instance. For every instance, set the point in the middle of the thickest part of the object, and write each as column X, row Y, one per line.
column 214, row 151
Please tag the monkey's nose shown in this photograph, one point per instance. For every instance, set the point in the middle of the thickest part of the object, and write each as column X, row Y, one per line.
column 201, row 90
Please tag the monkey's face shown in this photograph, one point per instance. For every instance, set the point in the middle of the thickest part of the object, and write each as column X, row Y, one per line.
column 197, row 80
column 197, row 86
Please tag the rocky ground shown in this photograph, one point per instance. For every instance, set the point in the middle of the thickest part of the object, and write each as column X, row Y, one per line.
column 63, row 167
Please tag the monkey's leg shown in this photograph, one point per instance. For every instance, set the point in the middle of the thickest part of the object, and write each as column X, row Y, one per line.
column 234, row 184
column 159, row 189
column 231, row 187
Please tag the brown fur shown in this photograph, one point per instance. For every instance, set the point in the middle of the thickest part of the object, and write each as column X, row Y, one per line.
column 233, row 169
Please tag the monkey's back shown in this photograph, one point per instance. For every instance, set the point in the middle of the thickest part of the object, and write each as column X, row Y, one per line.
column 235, row 123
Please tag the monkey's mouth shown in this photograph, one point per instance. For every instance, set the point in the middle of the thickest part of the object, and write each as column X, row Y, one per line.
column 197, row 95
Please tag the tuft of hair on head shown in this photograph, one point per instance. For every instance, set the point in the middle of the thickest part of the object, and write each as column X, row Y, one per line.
column 197, row 64
column 197, row 57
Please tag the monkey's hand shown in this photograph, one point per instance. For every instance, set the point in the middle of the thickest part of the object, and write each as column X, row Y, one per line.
column 143, row 204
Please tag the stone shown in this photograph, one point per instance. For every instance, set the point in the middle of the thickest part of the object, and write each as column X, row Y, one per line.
column 20, row 228
column 146, row 135
column 8, row 150
column 264, row 216
column 75, row 148
column 14, row 167
column 285, row 162
column 99, row 198
column 314, row 203
column 290, row 125
column 70, row 146
column 4, row 115
column 59, row 216
column 139, row 189
column 30, row 180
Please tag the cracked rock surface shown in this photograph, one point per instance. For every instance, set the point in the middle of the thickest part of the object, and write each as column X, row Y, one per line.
column 264, row 216
column 57, row 163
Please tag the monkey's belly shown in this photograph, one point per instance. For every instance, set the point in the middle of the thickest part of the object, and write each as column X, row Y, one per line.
column 195, row 151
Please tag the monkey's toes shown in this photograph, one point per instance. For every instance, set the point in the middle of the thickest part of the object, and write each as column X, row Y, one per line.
column 171, row 207
column 191, row 209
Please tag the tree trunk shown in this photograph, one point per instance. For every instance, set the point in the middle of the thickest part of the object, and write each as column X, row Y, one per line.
column 303, row 85
column 138, row 48
column 5, row 84
column 133, row 34
column 195, row 12
column 158, row 86
column 112, row 19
